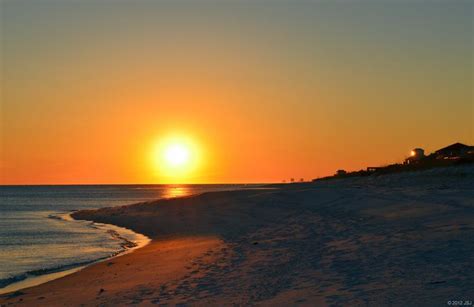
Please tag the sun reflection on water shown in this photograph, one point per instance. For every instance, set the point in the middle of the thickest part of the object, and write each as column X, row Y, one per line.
column 176, row 191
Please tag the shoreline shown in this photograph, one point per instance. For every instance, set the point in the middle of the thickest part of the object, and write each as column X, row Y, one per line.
column 394, row 239
column 35, row 279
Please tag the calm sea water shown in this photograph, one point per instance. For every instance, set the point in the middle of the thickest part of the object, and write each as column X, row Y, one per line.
column 36, row 237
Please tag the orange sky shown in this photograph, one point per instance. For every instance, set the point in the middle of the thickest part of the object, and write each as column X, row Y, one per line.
column 267, row 92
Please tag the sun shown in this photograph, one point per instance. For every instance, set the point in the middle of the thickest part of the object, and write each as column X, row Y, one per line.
column 177, row 155
column 176, row 158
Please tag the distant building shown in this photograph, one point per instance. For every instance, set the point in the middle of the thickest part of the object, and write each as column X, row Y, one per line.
column 416, row 155
column 371, row 169
column 454, row 151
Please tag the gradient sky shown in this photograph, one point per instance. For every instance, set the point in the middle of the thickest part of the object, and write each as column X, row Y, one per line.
column 268, row 89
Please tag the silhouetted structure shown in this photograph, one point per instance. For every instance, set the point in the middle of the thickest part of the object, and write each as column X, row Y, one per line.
column 373, row 168
column 454, row 154
column 416, row 155
column 454, row 151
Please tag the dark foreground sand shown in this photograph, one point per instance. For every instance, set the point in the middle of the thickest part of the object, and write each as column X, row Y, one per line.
column 404, row 239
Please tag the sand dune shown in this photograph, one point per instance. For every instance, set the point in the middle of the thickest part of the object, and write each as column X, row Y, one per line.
column 402, row 239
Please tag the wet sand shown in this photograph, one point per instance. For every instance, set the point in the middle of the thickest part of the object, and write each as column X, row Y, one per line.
column 403, row 239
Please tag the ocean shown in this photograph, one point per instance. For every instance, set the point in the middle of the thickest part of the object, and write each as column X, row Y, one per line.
column 37, row 236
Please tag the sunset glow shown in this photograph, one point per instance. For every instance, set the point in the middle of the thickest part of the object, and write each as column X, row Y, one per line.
column 271, row 92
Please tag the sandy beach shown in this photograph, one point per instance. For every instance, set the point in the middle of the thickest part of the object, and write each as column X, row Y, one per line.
column 401, row 239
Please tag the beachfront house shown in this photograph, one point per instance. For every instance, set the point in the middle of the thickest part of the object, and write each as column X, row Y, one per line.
column 454, row 151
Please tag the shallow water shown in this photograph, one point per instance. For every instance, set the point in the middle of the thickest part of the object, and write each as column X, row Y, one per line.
column 37, row 239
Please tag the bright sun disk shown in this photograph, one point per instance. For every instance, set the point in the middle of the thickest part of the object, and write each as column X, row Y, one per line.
column 176, row 155
column 176, row 159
